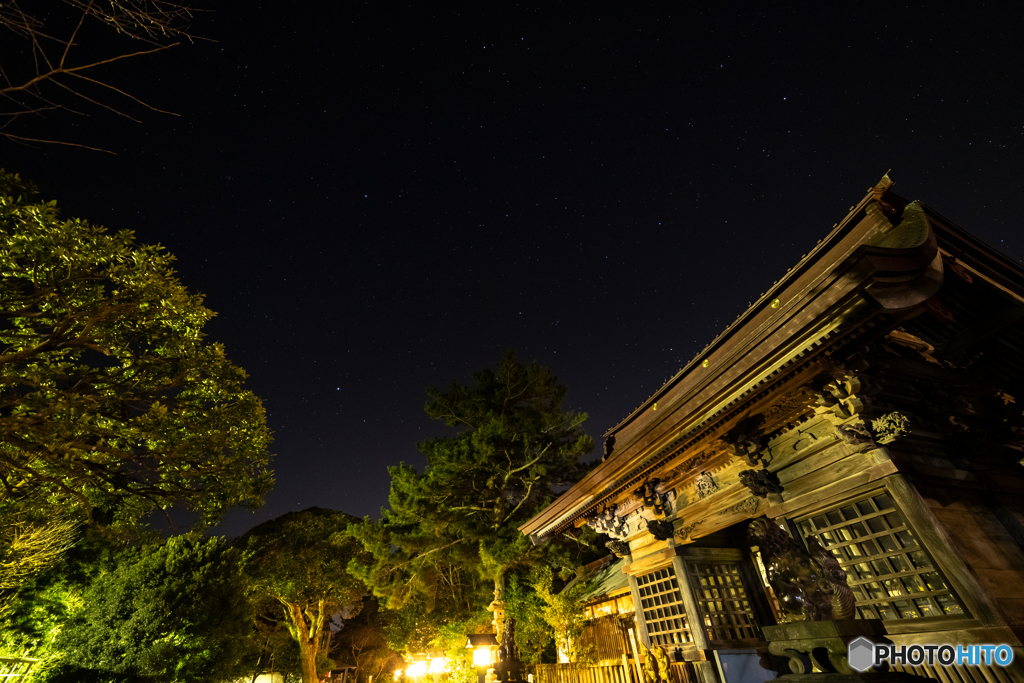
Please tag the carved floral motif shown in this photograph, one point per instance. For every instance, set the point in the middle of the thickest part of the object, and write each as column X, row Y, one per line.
column 854, row 434
column 890, row 426
column 748, row 506
column 705, row 485
column 789, row 403
column 691, row 464
column 684, row 531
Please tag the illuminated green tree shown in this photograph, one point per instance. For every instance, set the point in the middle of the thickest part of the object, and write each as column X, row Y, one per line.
column 524, row 604
column 450, row 536
column 563, row 614
column 112, row 404
column 174, row 612
column 296, row 569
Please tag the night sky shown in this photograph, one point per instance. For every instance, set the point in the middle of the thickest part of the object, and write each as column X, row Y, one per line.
column 377, row 198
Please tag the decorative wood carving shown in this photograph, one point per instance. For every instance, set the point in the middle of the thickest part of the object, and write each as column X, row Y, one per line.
column 790, row 403
column 684, row 531
column 891, row 426
column 809, row 584
column 761, row 482
column 692, row 464
column 609, row 447
column 655, row 497
column 619, row 548
column 705, row 485
column 855, row 434
column 744, row 440
column 748, row 506
column 664, row 675
column 607, row 522
column 660, row 529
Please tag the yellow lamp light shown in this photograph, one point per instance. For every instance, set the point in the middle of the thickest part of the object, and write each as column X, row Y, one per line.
column 416, row 669
column 398, row 674
column 481, row 644
column 438, row 665
column 482, row 656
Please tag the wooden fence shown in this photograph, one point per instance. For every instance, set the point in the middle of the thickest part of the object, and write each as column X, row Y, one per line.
column 15, row 668
column 612, row 672
column 608, row 672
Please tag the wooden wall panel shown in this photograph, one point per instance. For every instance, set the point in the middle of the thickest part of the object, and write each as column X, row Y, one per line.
column 986, row 546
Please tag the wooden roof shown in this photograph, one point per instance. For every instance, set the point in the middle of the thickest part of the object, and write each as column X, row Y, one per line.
column 883, row 257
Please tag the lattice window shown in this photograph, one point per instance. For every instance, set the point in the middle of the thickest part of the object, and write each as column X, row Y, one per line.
column 722, row 599
column 662, row 605
column 891, row 575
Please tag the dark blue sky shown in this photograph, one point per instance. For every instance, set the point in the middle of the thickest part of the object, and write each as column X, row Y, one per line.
column 384, row 197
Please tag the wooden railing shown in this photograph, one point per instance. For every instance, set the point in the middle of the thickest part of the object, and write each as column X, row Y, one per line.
column 15, row 668
column 612, row 672
column 607, row 672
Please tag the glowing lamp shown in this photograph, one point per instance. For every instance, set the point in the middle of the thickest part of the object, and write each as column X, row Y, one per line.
column 438, row 665
column 398, row 674
column 416, row 669
column 482, row 656
column 481, row 644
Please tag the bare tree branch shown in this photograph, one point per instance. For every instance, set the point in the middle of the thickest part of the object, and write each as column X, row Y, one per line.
column 46, row 56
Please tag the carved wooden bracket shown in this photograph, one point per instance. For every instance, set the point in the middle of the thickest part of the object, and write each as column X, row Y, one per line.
column 744, row 440
column 761, row 482
column 654, row 496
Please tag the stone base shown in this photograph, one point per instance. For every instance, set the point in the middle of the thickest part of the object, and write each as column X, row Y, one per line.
column 823, row 645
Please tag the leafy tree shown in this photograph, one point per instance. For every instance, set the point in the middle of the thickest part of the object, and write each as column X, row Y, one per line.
column 296, row 568
column 174, row 612
column 111, row 402
column 36, row 610
column 450, row 536
column 28, row 546
column 524, row 604
column 563, row 614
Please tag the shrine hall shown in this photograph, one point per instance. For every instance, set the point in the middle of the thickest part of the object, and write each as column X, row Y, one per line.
column 868, row 403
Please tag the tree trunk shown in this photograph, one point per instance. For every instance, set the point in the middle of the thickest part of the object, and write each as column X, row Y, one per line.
column 307, row 651
column 307, row 634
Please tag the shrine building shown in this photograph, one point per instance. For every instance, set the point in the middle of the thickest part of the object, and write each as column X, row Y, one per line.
column 872, row 400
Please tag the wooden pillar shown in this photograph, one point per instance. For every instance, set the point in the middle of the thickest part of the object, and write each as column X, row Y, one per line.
column 693, row 615
column 638, row 610
column 937, row 541
column 708, row 670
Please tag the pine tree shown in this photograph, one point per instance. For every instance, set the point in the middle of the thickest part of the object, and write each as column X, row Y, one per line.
column 451, row 533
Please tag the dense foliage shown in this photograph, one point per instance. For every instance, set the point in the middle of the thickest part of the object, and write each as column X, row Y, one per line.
column 533, row 633
column 111, row 402
column 295, row 566
column 563, row 614
column 174, row 612
column 449, row 539
column 33, row 613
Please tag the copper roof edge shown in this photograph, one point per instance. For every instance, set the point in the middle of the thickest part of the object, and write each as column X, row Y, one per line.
column 792, row 274
column 567, row 503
